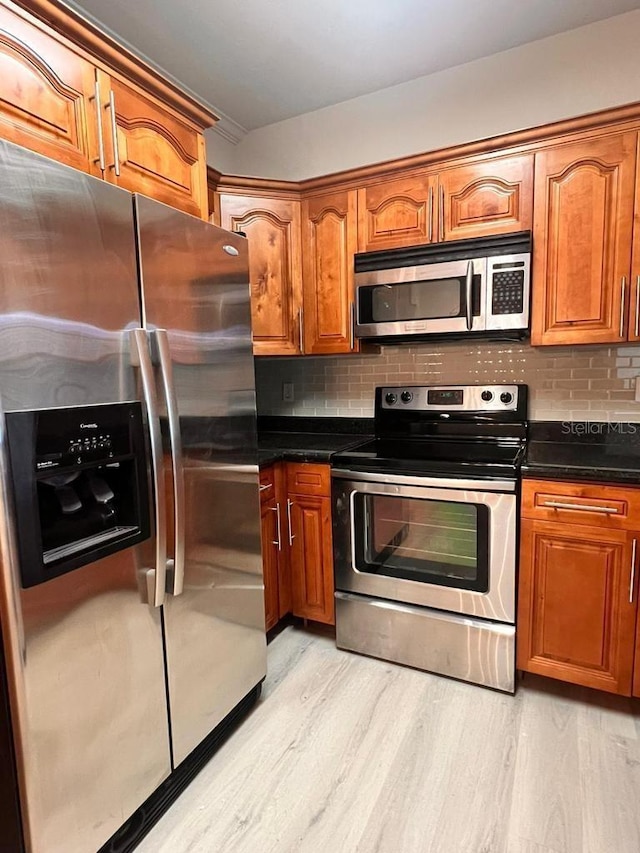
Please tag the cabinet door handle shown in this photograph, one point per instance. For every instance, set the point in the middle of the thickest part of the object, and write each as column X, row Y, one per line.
column 623, row 293
column 266, row 486
column 430, row 214
column 637, row 326
column 607, row 510
column 291, row 535
column 98, row 100
column 114, row 133
column 301, row 329
column 352, row 324
column 442, row 213
column 277, row 541
column 633, row 570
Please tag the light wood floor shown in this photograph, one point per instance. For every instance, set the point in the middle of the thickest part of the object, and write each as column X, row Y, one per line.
column 345, row 753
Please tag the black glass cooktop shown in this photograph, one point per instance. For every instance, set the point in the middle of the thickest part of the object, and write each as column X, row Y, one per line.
column 482, row 458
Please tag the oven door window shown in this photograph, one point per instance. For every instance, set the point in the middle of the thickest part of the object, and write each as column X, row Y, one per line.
column 431, row 541
column 428, row 299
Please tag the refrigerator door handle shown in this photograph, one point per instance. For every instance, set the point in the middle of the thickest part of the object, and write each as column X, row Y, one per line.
column 141, row 349
column 175, row 566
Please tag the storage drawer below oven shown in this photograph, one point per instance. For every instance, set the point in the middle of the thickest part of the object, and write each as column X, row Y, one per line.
column 459, row 646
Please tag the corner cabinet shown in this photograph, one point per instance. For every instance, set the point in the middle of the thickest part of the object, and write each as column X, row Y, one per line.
column 477, row 198
column 272, row 227
column 578, row 586
column 329, row 226
column 300, row 269
column 582, row 236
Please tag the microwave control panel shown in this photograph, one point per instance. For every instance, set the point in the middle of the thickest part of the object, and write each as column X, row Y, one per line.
column 507, row 295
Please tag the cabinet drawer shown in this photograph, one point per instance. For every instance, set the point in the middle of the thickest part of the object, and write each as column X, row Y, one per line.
column 308, row 478
column 581, row 503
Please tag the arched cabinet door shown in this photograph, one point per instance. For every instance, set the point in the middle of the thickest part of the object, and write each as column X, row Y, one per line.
column 272, row 227
column 582, row 234
column 486, row 197
column 155, row 153
column 397, row 213
column 46, row 93
column 329, row 226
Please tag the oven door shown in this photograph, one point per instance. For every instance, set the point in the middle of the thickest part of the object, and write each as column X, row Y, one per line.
column 442, row 298
column 447, row 544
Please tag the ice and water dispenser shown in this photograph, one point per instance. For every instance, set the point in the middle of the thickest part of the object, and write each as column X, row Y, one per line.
column 80, row 485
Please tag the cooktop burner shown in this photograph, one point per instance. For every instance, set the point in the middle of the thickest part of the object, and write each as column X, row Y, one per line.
column 470, row 430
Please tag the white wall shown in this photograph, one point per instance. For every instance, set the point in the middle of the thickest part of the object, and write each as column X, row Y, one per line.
column 570, row 74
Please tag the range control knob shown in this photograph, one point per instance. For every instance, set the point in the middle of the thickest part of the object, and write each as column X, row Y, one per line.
column 391, row 398
column 487, row 396
column 406, row 396
column 506, row 397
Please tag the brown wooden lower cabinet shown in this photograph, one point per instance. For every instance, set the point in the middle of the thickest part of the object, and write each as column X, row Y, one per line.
column 297, row 549
column 578, row 589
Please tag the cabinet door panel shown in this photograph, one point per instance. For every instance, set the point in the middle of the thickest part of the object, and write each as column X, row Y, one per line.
column 44, row 94
column 575, row 620
column 312, row 558
column 583, row 210
column 329, row 244
column 634, row 294
column 397, row 213
column 160, row 156
column 272, row 227
column 488, row 197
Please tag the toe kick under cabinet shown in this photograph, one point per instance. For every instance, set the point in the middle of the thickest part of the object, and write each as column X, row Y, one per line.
column 578, row 584
column 297, row 550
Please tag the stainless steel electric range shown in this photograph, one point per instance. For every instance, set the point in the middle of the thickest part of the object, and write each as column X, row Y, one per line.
column 424, row 531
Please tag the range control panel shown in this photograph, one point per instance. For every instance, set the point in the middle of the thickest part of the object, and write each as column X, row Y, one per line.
column 454, row 398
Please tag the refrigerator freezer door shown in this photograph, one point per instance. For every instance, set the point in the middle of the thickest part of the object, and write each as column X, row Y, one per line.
column 84, row 654
column 198, row 291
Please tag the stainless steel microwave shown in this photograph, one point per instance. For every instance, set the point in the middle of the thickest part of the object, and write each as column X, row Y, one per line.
column 467, row 287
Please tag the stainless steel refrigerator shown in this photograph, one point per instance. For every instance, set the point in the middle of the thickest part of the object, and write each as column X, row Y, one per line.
column 125, row 647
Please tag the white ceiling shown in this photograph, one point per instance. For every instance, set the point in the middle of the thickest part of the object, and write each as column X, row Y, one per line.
column 261, row 61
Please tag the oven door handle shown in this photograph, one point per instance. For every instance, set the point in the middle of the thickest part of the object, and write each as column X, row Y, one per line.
column 469, row 295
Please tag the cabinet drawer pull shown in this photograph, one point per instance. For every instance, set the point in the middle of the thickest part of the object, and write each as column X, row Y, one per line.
column 291, row 535
column 277, row 541
column 623, row 293
column 607, row 510
column 633, row 570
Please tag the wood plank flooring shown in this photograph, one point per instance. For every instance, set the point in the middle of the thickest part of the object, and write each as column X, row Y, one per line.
column 345, row 754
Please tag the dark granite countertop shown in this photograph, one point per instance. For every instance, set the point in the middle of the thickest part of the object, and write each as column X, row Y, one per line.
column 302, row 439
column 596, row 451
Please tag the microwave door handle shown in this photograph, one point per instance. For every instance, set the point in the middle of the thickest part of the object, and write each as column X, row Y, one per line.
column 156, row 578
column 175, row 567
column 469, row 295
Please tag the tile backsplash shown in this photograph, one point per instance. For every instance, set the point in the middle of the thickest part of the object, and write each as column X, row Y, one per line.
column 566, row 383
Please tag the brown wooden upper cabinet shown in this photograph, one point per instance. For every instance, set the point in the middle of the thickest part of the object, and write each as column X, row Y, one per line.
column 476, row 199
column 329, row 225
column 300, row 268
column 149, row 150
column 46, row 93
column 272, row 227
column 582, row 233
column 54, row 100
